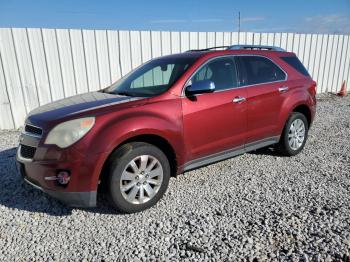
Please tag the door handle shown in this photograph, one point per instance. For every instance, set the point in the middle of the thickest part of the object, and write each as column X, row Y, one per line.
column 283, row 89
column 238, row 99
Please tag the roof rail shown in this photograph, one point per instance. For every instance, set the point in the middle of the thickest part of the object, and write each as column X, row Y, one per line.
column 252, row 47
column 210, row 48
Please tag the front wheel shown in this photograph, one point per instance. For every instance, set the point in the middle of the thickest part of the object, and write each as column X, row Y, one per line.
column 294, row 135
column 139, row 176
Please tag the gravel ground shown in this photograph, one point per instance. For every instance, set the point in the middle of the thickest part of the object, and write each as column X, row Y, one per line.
column 257, row 207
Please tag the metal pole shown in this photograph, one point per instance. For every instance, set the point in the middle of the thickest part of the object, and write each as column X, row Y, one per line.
column 239, row 22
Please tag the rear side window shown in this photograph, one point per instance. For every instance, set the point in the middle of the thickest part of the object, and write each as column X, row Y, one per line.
column 259, row 70
column 294, row 62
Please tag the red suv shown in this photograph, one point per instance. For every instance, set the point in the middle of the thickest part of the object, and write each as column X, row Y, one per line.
column 170, row 115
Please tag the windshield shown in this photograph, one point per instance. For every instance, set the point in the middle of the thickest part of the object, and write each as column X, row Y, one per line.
column 152, row 78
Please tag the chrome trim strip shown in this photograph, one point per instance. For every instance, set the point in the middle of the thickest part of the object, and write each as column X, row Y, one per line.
column 33, row 185
column 29, row 140
column 206, row 160
column 51, row 178
column 22, row 159
column 238, row 87
column 261, row 143
column 32, row 134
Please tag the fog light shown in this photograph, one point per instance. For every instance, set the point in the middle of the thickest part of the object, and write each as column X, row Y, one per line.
column 63, row 177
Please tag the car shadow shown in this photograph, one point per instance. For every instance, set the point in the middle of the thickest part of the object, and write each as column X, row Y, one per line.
column 269, row 151
column 15, row 193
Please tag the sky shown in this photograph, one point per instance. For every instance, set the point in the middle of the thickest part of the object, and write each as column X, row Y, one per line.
column 302, row 16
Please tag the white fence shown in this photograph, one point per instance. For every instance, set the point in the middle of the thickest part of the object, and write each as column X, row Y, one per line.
column 38, row 66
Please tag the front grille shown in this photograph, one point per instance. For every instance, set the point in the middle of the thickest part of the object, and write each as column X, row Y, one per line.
column 27, row 151
column 33, row 130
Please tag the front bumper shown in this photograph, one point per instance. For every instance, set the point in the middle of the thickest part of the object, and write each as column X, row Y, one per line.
column 73, row 199
column 40, row 165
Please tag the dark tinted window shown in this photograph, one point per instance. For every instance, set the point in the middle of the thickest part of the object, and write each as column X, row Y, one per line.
column 222, row 71
column 296, row 64
column 257, row 70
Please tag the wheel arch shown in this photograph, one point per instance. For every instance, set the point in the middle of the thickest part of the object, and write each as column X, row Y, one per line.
column 297, row 101
column 162, row 143
column 305, row 110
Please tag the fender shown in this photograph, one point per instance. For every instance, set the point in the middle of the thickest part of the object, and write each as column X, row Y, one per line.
column 131, row 127
column 296, row 97
column 112, row 129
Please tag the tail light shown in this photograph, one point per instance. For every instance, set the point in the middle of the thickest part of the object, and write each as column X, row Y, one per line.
column 313, row 88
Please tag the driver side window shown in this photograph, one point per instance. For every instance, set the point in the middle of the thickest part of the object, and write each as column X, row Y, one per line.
column 222, row 71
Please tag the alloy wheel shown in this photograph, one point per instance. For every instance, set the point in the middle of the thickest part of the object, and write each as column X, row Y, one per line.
column 296, row 134
column 141, row 179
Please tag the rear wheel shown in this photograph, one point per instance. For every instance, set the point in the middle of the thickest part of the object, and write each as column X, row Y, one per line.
column 139, row 176
column 294, row 135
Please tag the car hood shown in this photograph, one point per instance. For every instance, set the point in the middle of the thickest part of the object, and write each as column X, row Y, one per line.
column 75, row 105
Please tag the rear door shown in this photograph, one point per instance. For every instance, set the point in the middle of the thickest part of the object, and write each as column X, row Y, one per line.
column 266, row 85
column 213, row 122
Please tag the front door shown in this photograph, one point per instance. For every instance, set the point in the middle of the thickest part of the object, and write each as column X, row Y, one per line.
column 215, row 122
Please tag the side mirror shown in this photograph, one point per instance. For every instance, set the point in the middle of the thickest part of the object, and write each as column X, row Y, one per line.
column 200, row 87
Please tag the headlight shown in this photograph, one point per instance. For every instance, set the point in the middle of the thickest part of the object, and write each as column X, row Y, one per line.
column 67, row 133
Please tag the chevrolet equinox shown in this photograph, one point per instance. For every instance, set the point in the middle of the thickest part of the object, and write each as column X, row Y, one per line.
column 170, row 115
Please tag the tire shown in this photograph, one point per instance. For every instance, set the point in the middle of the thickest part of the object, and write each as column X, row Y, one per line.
column 134, row 184
column 286, row 146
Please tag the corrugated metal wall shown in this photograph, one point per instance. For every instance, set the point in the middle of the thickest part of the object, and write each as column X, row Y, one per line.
column 38, row 66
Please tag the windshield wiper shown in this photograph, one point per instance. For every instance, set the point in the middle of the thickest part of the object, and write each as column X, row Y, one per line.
column 115, row 93
column 122, row 93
